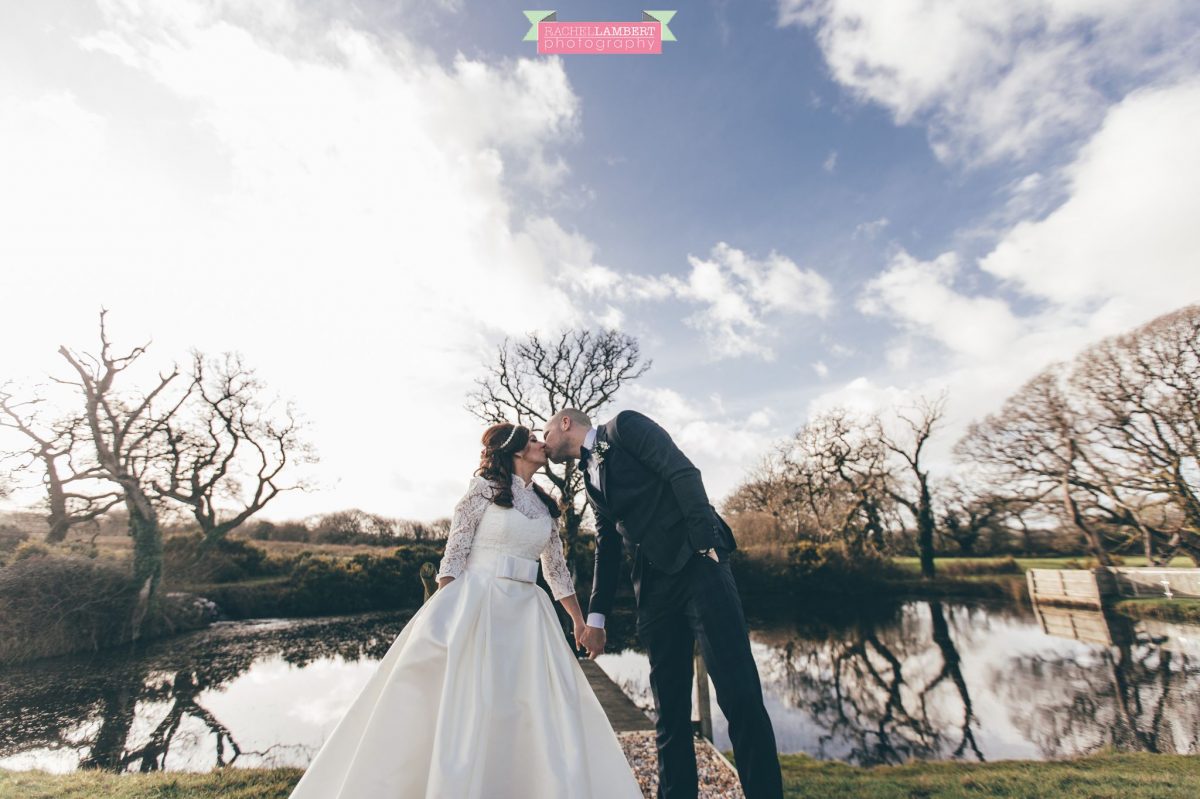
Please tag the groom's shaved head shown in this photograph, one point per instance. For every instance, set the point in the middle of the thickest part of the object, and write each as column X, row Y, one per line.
column 576, row 416
column 565, row 432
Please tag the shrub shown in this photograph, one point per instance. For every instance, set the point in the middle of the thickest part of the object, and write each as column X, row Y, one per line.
column 322, row 584
column 809, row 565
column 189, row 559
column 30, row 549
column 10, row 538
column 54, row 605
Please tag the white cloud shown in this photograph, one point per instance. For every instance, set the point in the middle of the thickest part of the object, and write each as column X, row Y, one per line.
column 899, row 354
column 1127, row 235
column 920, row 297
column 577, row 271
column 870, row 230
column 1100, row 245
column 995, row 80
column 984, row 351
column 836, row 348
column 861, row 397
column 330, row 201
column 1120, row 249
column 723, row 445
column 821, row 369
column 742, row 298
column 739, row 291
column 830, row 162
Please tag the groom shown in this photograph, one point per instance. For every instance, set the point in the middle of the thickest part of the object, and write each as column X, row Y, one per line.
column 645, row 491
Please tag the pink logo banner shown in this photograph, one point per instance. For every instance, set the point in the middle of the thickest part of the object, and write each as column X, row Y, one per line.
column 599, row 38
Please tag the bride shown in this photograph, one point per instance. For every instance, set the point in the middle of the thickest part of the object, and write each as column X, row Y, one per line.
column 480, row 694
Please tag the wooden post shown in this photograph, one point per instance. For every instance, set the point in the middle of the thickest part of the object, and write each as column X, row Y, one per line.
column 428, row 576
column 702, row 698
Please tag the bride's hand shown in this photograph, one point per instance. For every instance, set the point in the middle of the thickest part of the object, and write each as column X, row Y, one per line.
column 444, row 581
column 593, row 639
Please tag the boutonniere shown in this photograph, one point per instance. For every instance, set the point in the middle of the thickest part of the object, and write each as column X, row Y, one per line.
column 600, row 452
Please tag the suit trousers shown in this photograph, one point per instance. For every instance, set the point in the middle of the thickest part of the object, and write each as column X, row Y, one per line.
column 700, row 603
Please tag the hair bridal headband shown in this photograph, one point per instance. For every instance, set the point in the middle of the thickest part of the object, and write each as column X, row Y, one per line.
column 511, row 433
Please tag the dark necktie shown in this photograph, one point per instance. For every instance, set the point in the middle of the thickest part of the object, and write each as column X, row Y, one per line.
column 585, row 455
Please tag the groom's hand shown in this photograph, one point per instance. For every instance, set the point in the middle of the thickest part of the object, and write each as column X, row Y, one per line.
column 593, row 640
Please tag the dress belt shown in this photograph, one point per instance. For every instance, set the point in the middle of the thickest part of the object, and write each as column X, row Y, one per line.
column 517, row 568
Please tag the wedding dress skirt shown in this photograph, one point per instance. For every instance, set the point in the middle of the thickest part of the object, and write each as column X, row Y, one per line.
column 479, row 696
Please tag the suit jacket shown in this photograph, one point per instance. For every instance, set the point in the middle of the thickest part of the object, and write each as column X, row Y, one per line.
column 651, row 497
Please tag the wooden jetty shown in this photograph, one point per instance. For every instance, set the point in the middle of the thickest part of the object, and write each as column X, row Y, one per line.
column 624, row 715
column 1096, row 587
column 1091, row 626
column 1079, row 587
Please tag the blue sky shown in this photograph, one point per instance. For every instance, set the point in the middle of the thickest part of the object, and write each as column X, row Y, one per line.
column 727, row 137
column 798, row 204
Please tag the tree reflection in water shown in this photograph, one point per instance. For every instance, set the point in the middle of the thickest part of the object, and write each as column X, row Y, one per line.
column 882, row 689
column 870, row 685
column 93, row 707
column 1133, row 695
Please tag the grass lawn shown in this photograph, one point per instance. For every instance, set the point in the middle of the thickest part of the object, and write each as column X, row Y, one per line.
column 1177, row 610
column 233, row 783
column 1108, row 776
column 1064, row 562
column 1128, row 776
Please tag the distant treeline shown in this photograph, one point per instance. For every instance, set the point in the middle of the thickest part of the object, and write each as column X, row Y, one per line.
column 351, row 527
column 1100, row 454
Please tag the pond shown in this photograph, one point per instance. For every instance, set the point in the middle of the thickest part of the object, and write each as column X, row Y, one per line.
column 918, row 679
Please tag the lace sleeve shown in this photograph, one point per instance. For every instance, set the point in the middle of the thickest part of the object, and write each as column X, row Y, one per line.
column 467, row 514
column 554, row 567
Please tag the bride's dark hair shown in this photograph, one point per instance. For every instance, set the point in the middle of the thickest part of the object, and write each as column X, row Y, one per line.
column 496, row 464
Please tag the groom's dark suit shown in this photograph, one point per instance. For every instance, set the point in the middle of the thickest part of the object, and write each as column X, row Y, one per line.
column 651, row 497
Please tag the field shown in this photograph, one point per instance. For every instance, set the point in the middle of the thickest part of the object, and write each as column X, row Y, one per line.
column 1104, row 776
column 1064, row 562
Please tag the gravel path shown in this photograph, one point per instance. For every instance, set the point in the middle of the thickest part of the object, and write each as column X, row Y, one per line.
column 718, row 780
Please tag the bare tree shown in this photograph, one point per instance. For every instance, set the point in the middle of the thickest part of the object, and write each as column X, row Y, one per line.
column 123, row 427
column 1112, row 440
column 974, row 512
column 230, row 450
column 918, row 498
column 1034, row 447
column 532, row 379
column 770, row 495
column 75, row 493
column 826, row 482
column 1141, row 393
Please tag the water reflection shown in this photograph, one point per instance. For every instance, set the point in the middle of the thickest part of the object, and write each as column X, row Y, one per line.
column 935, row 680
column 924, row 680
column 1135, row 692
column 166, row 705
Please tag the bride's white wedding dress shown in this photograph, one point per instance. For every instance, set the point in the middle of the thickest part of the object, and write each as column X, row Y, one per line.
column 480, row 694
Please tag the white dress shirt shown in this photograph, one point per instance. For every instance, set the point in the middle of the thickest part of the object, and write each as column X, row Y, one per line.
column 593, row 467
